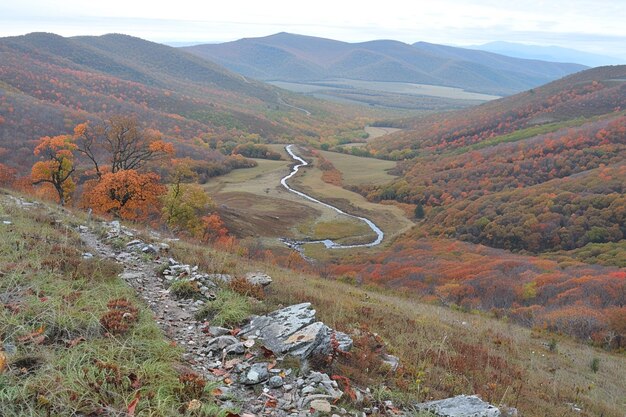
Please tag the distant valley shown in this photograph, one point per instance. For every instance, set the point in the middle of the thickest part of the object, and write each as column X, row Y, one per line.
column 370, row 72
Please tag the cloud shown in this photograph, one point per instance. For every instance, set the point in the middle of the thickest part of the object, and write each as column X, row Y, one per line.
column 595, row 26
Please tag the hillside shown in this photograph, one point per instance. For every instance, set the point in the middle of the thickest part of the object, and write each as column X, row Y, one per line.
column 559, row 148
column 104, row 326
column 49, row 83
column 289, row 57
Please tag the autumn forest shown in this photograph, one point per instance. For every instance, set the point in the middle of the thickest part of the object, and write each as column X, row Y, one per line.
column 517, row 206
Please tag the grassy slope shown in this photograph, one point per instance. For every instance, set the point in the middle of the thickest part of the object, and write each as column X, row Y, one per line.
column 51, row 302
column 446, row 352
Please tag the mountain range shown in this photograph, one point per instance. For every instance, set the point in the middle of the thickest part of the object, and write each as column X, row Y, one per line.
column 298, row 58
column 49, row 83
column 548, row 53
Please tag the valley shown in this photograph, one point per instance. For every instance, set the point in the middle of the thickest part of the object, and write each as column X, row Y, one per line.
column 255, row 204
column 458, row 216
column 387, row 94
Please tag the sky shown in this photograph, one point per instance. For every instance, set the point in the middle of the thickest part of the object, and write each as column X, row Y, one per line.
column 596, row 26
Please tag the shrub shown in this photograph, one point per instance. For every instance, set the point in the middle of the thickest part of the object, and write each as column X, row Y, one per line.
column 228, row 309
column 242, row 286
column 184, row 289
column 122, row 315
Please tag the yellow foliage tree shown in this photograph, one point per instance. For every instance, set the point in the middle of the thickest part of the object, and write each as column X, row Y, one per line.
column 184, row 205
column 57, row 165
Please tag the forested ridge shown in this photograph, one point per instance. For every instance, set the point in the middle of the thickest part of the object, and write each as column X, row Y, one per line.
column 49, row 84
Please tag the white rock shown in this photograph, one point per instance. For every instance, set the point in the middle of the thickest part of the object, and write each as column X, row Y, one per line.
column 321, row 405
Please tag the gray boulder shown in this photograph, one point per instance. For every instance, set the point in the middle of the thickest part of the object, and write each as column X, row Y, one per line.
column 258, row 278
column 460, row 406
column 293, row 330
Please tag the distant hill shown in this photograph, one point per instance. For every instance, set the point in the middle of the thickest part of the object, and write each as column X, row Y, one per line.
column 548, row 53
column 289, row 57
column 49, row 83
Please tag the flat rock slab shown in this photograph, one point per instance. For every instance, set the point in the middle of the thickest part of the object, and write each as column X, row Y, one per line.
column 460, row 406
column 293, row 330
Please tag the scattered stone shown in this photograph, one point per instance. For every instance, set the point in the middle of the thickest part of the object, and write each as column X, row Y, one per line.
column 218, row 331
column 135, row 242
column 275, row 382
column 256, row 374
column 236, row 349
column 258, row 278
column 321, row 405
column 221, row 342
column 392, row 361
column 149, row 249
column 7, row 222
column 460, row 406
column 87, row 255
column 223, row 278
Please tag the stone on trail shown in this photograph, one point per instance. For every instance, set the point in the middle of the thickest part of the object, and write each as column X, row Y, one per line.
column 293, row 330
column 460, row 406
column 256, row 374
column 321, row 406
column 221, row 342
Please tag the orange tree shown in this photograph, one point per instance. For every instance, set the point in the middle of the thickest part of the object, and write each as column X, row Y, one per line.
column 126, row 194
column 57, row 165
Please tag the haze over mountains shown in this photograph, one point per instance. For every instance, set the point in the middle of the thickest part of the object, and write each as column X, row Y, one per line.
column 290, row 57
column 548, row 53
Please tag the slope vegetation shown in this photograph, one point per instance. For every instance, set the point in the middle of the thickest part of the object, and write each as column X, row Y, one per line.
column 49, row 84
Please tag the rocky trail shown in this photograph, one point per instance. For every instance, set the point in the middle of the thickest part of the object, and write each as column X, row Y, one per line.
column 253, row 366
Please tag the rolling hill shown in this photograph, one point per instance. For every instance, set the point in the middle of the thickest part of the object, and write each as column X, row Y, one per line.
column 289, row 57
column 49, row 83
column 518, row 205
column 539, row 171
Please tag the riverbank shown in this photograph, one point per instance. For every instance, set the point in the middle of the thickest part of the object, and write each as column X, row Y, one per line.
column 328, row 243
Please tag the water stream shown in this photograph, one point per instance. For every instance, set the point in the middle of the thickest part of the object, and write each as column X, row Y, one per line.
column 327, row 242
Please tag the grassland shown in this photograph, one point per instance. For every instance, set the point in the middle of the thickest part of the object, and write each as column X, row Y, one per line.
column 443, row 351
column 376, row 132
column 254, row 203
column 393, row 95
column 60, row 359
column 359, row 171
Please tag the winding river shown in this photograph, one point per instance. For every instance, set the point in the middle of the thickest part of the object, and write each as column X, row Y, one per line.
column 327, row 242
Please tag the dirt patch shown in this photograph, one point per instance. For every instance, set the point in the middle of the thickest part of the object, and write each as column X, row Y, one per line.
column 253, row 215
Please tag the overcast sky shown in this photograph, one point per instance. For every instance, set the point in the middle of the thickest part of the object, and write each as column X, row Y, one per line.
column 597, row 26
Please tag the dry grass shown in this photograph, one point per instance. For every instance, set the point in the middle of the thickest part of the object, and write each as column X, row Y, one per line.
column 357, row 170
column 78, row 340
column 447, row 352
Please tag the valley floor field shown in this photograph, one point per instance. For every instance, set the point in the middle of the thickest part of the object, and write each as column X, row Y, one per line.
column 387, row 94
column 254, row 203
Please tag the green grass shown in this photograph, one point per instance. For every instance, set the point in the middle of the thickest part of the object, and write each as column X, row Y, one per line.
column 358, row 170
column 610, row 254
column 60, row 359
column 228, row 309
column 522, row 134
